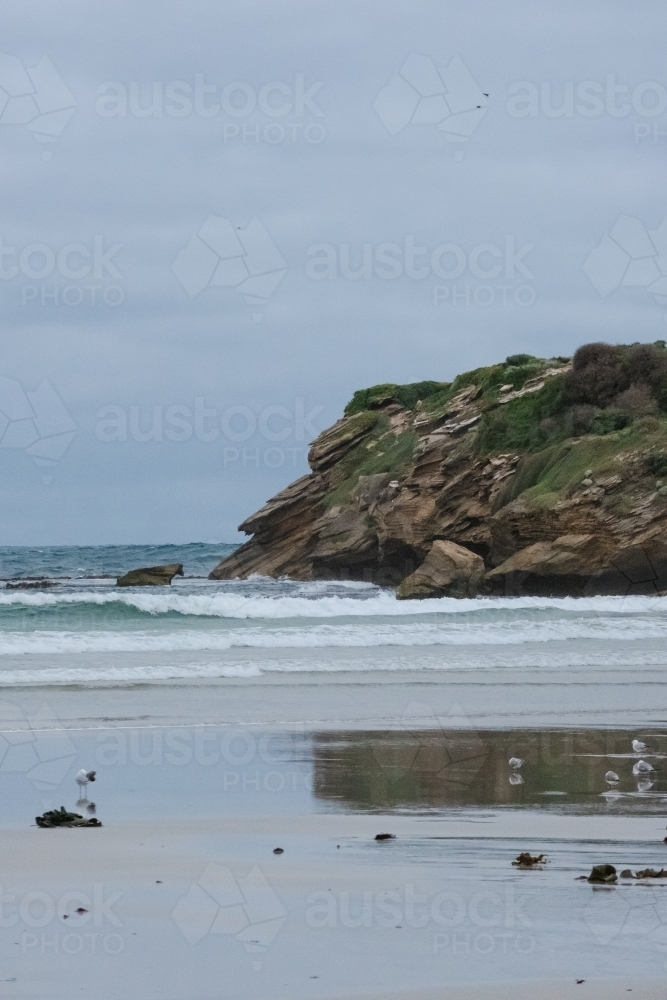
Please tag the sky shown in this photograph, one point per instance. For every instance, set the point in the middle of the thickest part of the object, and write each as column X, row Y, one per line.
column 220, row 220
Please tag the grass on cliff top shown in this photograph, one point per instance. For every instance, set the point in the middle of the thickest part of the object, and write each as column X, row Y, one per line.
column 613, row 400
column 435, row 395
column 406, row 395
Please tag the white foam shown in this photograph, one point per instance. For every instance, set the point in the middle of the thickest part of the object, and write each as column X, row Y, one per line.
column 367, row 634
column 565, row 658
column 384, row 604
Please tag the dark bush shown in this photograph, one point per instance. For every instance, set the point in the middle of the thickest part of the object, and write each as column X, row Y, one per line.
column 638, row 401
column 595, row 354
column 597, row 375
column 519, row 359
column 647, row 365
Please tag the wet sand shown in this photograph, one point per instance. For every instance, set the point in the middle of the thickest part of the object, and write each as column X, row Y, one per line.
column 440, row 906
column 185, row 898
column 337, row 693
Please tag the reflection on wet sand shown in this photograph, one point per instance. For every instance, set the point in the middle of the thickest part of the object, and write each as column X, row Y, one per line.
column 435, row 769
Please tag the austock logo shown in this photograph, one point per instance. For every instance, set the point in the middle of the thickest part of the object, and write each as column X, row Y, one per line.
column 613, row 917
column 36, row 98
column 445, row 746
column 220, row 256
column 36, row 422
column 245, row 908
column 419, row 94
column 34, row 746
column 630, row 256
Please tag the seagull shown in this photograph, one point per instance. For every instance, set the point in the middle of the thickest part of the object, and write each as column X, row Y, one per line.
column 83, row 777
column 641, row 767
column 611, row 777
column 639, row 747
column 515, row 762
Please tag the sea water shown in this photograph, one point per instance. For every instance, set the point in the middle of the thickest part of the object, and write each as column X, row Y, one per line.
column 83, row 629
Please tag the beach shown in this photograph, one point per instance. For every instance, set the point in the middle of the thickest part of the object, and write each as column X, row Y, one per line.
column 337, row 914
column 227, row 720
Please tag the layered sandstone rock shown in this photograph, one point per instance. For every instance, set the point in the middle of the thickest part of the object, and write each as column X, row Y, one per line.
column 407, row 497
column 151, row 576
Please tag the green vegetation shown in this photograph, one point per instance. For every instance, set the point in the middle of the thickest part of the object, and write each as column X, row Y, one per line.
column 517, row 425
column 611, row 399
column 380, row 395
column 656, row 463
column 383, row 451
column 607, row 389
column 520, row 359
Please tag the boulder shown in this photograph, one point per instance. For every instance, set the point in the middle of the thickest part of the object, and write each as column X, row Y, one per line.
column 603, row 873
column 449, row 570
column 151, row 576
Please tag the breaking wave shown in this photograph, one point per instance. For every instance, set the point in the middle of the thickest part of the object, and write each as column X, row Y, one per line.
column 369, row 602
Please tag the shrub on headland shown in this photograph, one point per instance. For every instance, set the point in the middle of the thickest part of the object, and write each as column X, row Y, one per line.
column 608, row 388
column 601, row 373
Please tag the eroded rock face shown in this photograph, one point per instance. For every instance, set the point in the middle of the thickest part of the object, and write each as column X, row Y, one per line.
column 564, row 565
column 449, row 570
column 584, row 566
column 151, row 576
column 405, row 498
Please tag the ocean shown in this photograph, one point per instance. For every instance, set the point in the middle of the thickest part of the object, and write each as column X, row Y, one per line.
column 84, row 631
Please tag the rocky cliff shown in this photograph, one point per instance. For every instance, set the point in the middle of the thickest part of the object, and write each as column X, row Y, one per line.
column 532, row 476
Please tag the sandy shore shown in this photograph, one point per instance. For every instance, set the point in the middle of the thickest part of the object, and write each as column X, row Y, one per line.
column 446, row 914
column 539, row 989
column 183, row 898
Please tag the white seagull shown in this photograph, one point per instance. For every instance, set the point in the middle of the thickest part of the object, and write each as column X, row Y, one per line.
column 639, row 747
column 642, row 767
column 611, row 777
column 515, row 762
column 83, row 777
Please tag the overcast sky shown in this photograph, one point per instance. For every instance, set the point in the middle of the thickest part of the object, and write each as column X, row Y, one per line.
column 362, row 146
